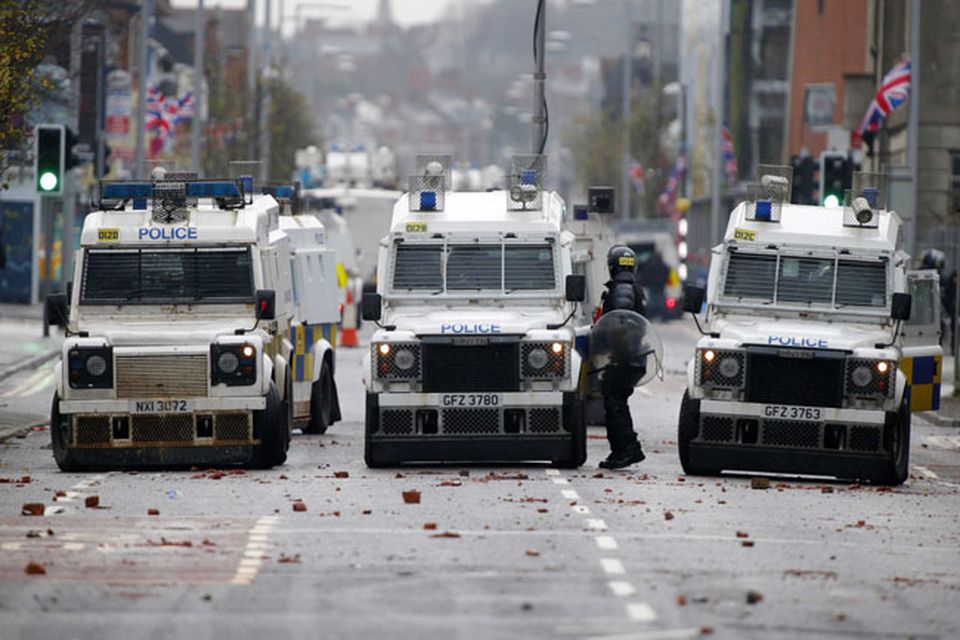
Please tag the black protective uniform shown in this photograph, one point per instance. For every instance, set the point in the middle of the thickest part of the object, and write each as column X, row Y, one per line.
column 617, row 385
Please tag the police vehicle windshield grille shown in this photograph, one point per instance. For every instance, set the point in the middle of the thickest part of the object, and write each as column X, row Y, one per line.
column 474, row 267
column 772, row 278
column 195, row 276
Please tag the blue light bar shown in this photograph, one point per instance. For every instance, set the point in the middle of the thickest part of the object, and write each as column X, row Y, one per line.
column 280, row 191
column 213, row 189
column 125, row 190
column 580, row 212
column 428, row 200
column 247, row 182
column 763, row 210
column 528, row 176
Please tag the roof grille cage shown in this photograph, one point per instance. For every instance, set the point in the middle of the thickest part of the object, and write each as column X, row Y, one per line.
column 287, row 195
column 171, row 202
column 765, row 198
column 526, row 179
column 864, row 200
column 428, row 186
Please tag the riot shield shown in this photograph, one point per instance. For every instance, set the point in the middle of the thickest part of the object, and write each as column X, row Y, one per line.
column 627, row 342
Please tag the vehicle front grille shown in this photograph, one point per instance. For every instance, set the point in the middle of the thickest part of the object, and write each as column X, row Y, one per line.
column 162, row 376
column 232, row 426
column 471, row 421
column 810, row 382
column 544, row 421
column 791, row 433
column 396, row 422
column 864, row 439
column 471, row 368
column 170, row 427
column 91, row 430
column 716, row 429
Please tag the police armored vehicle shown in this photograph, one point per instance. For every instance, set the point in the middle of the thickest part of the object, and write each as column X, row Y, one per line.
column 811, row 360
column 474, row 359
column 176, row 349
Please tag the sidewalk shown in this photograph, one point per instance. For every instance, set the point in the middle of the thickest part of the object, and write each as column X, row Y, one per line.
column 22, row 345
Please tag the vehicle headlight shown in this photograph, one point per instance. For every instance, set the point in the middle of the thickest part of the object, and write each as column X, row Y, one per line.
column 228, row 362
column 720, row 368
column 90, row 367
column 404, row 359
column 866, row 377
column 543, row 359
column 396, row 360
column 233, row 364
column 96, row 365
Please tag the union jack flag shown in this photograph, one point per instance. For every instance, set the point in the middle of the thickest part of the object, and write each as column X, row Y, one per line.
column 637, row 175
column 893, row 91
column 729, row 156
column 163, row 114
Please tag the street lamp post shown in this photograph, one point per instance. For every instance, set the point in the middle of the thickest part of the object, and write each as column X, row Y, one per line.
column 627, row 109
column 198, row 77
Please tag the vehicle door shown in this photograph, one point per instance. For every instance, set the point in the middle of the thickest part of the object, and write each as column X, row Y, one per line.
column 922, row 357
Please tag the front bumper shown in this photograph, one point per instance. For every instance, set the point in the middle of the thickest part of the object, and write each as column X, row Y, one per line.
column 165, row 456
column 846, row 443
column 525, row 426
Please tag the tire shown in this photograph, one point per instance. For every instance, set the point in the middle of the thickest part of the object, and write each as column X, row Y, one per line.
column 321, row 403
column 578, row 438
column 371, row 456
column 60, row 439
column 896, row 439
column 271, row 427
column 687, row 429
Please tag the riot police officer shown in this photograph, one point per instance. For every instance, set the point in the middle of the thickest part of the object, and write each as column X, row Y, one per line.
column 617, row 383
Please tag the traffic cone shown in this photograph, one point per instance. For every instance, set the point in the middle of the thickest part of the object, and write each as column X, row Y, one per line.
column 348, row 333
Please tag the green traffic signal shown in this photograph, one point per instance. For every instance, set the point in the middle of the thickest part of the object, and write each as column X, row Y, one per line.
column 48, row 181
column 49, row 152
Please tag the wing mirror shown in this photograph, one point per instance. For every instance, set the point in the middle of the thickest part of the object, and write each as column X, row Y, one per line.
column 55, row 307
column 693, row 298
column 576, row 288
column 266, row 304
column 371, row 306
column 900, row 306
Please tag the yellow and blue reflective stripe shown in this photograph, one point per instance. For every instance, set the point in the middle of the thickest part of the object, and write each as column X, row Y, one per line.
column 304, row 337
column 923, row 375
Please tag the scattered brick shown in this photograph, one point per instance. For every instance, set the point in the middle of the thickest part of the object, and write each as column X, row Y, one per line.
column 91, row 502
column 753, row 597
column 341, row 474
column 411, row 497
column 430, row 526
column 759, row 483
column 153, row 512
column 32, row 509
column 299, row 506
column 35, row 569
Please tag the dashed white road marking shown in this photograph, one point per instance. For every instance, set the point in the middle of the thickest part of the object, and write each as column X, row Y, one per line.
column 73, row 546
column 612, row 566
column 666, row 634
column 11, row 546
column 553, row 472
column 621, row 588
column 253, row 556
column 560, row 480
column 597, row 524
column 570, row 494
column 641, row 612
column 607, row 543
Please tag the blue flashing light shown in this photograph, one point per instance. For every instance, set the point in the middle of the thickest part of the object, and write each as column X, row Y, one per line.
column 126, row 190
column 140, row 204
column 280, row 192
column 360, row 147
column 764, row 210
column 428, row 200
column 213, row 189
column 580, row 212
column 872, row 194
column 528, row 176
column 247, row 182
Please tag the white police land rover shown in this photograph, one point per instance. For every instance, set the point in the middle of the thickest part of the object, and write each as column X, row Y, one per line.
column 474, row 359
column 805, row 366
column 176, row 349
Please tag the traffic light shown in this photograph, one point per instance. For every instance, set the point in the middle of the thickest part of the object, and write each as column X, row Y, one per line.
column 49, row 152
column 836, row 176
column 804, row 180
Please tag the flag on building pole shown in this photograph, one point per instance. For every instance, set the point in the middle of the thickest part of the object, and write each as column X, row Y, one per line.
column 637, row 176
column 729, row 156
column 163, row 114
column 894, row 91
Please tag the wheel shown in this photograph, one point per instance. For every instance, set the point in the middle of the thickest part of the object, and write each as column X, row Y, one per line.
column 687, row 430
column 896, row 438
column 321, row 402
column 578, row 435
column 374, row 458
column 274, row 433
column 60, row 439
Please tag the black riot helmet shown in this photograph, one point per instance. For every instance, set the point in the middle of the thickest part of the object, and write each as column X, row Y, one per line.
column 933, row 259
column 621, row 258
